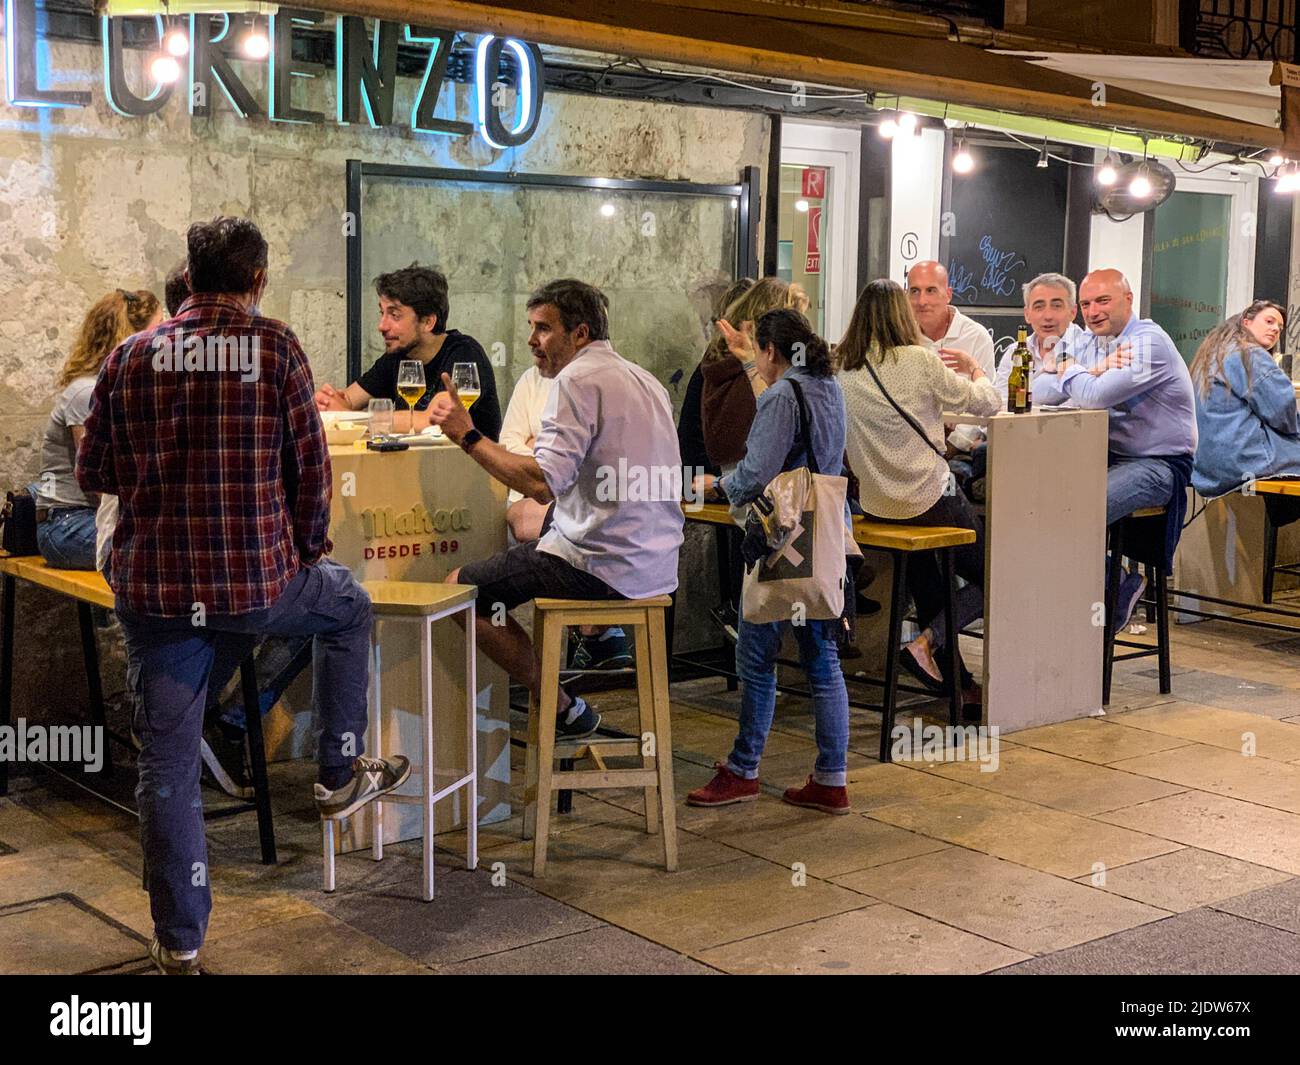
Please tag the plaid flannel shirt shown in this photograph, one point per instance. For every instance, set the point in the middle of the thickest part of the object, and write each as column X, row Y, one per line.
column 222, row 474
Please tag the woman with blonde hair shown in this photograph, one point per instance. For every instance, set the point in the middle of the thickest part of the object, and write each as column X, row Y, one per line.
column 65, row 516
column 1245, row 405
column 1246, row 412
column 896, row 391
column 732, row 383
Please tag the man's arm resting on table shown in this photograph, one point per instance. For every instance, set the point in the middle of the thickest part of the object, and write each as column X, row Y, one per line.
column 354, row 397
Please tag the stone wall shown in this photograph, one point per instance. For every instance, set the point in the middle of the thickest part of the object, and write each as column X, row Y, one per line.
column 90, row 201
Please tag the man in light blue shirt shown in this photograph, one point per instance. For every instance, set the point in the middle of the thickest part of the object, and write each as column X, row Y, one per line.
column 1050, row 309
column 1129, row 366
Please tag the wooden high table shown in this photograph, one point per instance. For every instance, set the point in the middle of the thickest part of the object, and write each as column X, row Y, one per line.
column 416, row 515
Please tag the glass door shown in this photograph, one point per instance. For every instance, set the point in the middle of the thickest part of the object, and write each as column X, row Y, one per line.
column 817, row 228
column 1202, row 261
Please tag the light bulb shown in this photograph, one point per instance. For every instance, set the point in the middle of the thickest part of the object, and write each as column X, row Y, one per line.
column 1276, row 159
column 888, row 128
column 907, row 122
column 1140, row 186
column 962, row 161
column 1287, row 180
column 801, row 205
column 255, row 45
column 1107, row 174
column 165, row 69
column 608, row 210
column 176, row 43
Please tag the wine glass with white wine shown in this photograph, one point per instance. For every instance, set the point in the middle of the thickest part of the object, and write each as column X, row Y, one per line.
column 410, row 386
column 464, row 377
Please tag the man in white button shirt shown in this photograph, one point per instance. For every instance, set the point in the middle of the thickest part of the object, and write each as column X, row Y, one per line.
column 594, row 646
column 942, row 325
column 607, row 455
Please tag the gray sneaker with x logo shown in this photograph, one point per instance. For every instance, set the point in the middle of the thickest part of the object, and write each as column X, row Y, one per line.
column 371, row 778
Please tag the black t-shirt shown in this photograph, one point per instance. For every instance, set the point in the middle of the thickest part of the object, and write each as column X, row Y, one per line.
column 381, row 380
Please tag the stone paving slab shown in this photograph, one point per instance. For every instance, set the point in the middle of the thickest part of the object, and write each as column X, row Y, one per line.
column 1198, row 943
column 1027, row 910
column 1183, row 880
column 879, row 939
column 468, row 917
column 1278, row 905
column 603, row 951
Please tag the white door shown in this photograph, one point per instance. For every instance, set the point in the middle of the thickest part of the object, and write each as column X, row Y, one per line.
column 818, row 223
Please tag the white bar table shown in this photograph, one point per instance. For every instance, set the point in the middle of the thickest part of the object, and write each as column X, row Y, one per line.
column 1044, row 566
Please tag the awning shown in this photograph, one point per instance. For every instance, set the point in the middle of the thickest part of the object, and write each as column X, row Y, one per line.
column 1236, row 88
column 789, row 44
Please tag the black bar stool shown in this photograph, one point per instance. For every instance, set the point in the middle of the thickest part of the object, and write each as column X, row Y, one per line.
column 1146, row 529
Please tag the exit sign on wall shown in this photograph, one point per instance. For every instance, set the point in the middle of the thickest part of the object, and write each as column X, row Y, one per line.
column 813, row 263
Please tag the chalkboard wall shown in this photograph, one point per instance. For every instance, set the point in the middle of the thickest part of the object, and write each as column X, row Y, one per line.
column 1007, row 225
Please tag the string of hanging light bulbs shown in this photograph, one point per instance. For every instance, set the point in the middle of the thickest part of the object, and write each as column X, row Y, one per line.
column 175, row 45
column 1286, row 172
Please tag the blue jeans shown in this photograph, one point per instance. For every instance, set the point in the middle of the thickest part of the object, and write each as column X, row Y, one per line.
column 1132, row 484
column 67, row 538
column 168, row 664
column 757, row 647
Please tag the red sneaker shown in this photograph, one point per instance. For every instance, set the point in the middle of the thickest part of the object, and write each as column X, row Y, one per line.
column 819, row 797
column 724, row 789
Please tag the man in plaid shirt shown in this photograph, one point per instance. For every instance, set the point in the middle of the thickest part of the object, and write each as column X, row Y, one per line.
column 207, row 431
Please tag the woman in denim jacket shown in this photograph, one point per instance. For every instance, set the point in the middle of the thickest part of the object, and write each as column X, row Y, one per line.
column 785, row 349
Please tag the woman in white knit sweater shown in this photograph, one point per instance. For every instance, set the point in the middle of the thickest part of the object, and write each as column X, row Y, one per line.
column 896, row 392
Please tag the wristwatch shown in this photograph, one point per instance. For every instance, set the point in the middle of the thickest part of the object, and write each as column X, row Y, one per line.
column 468, row 441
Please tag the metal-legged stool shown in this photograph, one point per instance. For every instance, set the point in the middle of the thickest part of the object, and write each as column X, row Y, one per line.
column 422, row 603
column 1116, row 535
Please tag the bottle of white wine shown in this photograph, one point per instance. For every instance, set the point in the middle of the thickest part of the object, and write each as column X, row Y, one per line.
column 1018, row 397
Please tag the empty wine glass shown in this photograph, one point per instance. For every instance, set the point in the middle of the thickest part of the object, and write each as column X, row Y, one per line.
column 381, row 417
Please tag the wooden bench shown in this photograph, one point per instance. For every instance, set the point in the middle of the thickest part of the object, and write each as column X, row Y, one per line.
column 899, row 541
column 89, row 589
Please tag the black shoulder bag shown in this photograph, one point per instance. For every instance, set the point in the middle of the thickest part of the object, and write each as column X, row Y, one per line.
column 18, row 517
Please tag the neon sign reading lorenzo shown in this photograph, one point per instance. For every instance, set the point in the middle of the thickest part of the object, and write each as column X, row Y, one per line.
column 365, row 73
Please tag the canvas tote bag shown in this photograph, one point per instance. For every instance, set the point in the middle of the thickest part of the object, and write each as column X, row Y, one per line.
column 803, row 576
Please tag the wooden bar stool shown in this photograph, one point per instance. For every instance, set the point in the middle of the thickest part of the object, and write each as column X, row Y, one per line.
column 900, row 542
column 646, row 617
column 1275, row 492
column 1120, row 532
column 422, row 603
